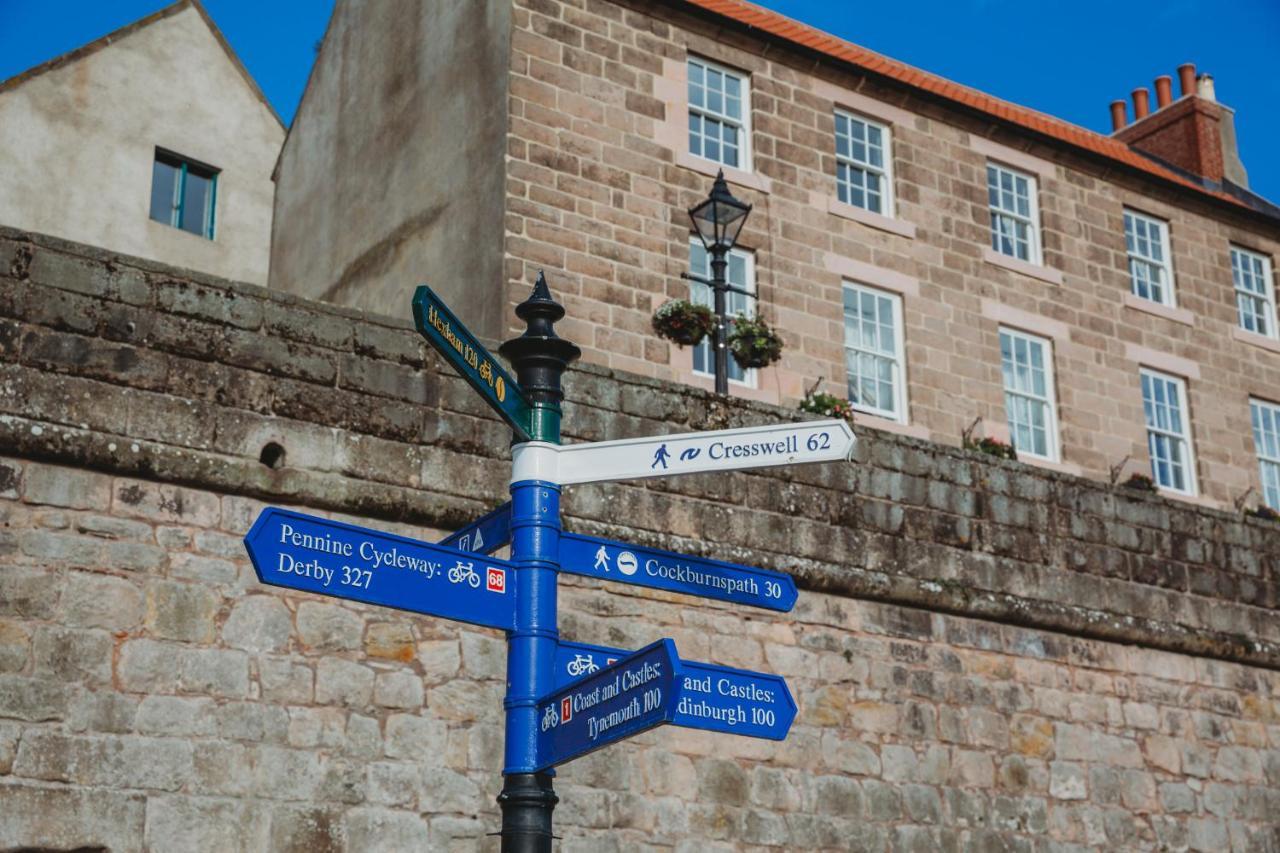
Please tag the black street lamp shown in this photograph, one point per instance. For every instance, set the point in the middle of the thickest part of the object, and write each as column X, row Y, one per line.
column 718, row 221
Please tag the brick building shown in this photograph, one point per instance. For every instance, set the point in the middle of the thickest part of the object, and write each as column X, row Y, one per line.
column 1113, row 298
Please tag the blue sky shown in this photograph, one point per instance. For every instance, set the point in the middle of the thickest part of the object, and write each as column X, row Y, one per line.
column 1069, row 59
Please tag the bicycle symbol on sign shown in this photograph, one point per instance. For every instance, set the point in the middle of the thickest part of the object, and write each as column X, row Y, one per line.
column 550, row 719
column 465, row 573
column 582, row 664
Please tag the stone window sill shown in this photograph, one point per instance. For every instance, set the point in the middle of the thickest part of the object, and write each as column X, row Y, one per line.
column 1168, row 312
column 1198, row 500
column 876, row 422
column 994, row 258
column 1050, row 465
column 1255, row 339
column 871, row 219
column 751, row 180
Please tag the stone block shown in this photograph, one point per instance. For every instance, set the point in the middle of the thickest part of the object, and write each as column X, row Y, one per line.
column 415, row 737
column 29, row 593
column 15, row 646
column 32, row 699
column 214, row 672
column 390, row 641
column 1238, row 764
column 199, row 567
column 73, row 654
column 175, row 716
column 70, row 819
column 284, row 680
column 1067, row 781
column 328, row 627
column 398, row 689
column 102, row 711
column 66, row 487
column 181, row 611
column 198, row 823
column 343, row 682
column 380, row 830
column 258, row 623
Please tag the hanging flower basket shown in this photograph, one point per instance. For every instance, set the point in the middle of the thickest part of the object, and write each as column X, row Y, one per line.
column 1264, row 512
column 827, row 405
column 992, row 447
column 753, row 343
column 683, row 323
column 1139, row 483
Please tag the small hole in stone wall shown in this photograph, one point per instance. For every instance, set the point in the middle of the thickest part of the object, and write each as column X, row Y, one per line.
column 272, row 455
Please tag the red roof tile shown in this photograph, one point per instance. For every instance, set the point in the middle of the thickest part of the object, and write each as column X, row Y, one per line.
column 783, row 27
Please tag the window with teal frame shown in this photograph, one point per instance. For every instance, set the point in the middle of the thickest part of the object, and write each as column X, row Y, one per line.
column 183, row 193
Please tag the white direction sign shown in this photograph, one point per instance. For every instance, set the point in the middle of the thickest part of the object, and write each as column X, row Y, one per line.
column 696, row 452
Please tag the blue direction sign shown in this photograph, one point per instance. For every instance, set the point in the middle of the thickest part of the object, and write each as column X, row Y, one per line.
column 617, row 561
column 473, row 362
column 712, row 697
column 484, row 535
column 633, row 695
column 303, row 552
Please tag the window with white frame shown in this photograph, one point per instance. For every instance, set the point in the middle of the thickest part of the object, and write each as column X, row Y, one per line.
column 719, row 106
column 1266, row 440
column 1255, row 296
column 740, row 273
column 1026, row 362
column 873, row 351
column 1164, row 404
column 1150, row 268
column 1015, row 219
column 863, row 172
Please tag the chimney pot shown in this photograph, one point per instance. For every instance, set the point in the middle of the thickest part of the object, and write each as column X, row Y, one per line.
column 1204, row 87
column 1164, row 91
column 1141, row 105
column 1118, row 115
column 1187, row 78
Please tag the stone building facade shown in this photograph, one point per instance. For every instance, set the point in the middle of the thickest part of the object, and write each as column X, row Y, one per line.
column 986, row 655
column 152, row 141
column 595, row 156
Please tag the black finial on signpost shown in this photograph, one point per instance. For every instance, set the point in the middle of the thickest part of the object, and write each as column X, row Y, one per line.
column 540, row 358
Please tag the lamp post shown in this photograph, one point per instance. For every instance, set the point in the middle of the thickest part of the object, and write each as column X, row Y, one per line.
column 718, row 221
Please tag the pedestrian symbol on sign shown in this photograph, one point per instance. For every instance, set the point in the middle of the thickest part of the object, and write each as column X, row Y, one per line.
column 660, row 456
column 602, row 559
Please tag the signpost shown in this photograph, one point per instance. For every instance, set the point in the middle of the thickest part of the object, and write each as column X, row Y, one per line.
column 486, row 534
column 563, row 699
column 617, row 561
column 715, row 698
column 636, row 693
column 697, row 452
column 318, row 555
column 472, row 361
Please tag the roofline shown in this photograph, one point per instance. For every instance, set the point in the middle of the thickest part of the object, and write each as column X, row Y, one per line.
column 306, row 90
column 1143, row 167
column 114, row 36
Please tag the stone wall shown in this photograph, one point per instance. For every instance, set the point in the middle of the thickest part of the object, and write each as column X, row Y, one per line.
column 600, row 179
column 985, row 655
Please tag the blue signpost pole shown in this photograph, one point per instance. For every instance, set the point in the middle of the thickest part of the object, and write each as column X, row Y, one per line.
column 540, row 358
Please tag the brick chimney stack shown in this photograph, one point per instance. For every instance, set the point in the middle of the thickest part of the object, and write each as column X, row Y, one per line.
column 1193, row 133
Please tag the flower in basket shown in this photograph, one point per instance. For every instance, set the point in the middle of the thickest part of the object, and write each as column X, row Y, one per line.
column 683, row 323
column 827, row 405
column 753, row 343
column 993, row 447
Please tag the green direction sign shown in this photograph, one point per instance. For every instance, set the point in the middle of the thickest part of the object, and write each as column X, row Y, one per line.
column 472, row 361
